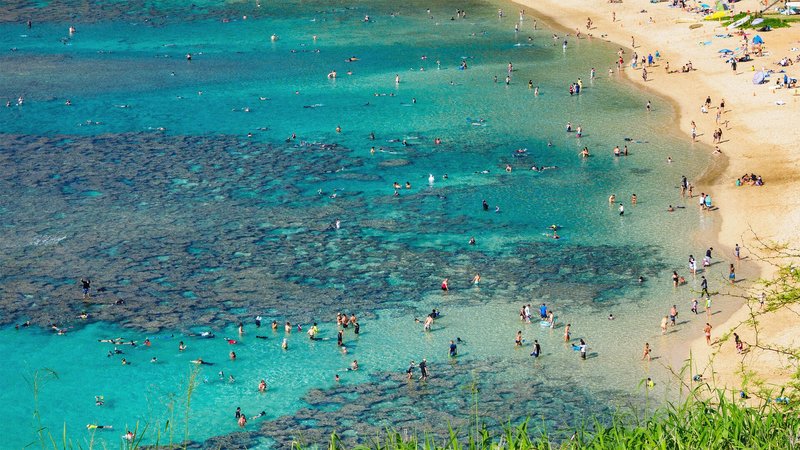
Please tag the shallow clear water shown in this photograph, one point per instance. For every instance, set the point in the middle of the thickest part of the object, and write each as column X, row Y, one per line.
column 198, row 226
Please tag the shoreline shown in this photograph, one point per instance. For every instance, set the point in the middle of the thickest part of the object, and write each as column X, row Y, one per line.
column 755, row 141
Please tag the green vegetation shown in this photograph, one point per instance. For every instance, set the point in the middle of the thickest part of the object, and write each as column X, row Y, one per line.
column 771, row 20
column 718, row 423
column 711, row 424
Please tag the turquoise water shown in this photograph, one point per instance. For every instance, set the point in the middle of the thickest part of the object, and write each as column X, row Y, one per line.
column 150, row 185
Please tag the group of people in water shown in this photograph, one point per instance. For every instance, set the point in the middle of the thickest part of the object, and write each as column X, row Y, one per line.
column 548, row 320
column 344, row 322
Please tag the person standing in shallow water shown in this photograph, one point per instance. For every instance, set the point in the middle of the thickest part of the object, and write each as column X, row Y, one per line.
column 410, row 370
column 86, row 284
column 423, row 368
column 537, row 349
column 704, row 287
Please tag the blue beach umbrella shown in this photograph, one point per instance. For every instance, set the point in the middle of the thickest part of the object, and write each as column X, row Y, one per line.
column 725, row 50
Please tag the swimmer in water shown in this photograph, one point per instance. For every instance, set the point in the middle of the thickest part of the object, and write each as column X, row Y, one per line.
column 199, row 361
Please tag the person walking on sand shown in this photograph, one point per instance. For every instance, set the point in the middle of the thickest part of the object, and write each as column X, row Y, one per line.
column 694, row 305
column 707, row 333
column 732, row 274
column 664, row 325
column 646, row 352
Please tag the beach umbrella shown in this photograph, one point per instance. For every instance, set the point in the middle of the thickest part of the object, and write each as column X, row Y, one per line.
column 757, row 40
column 725, row 50
column 705, row 5
column 758, row 78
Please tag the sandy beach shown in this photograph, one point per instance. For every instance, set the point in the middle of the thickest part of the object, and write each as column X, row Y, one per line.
column 758, row 137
